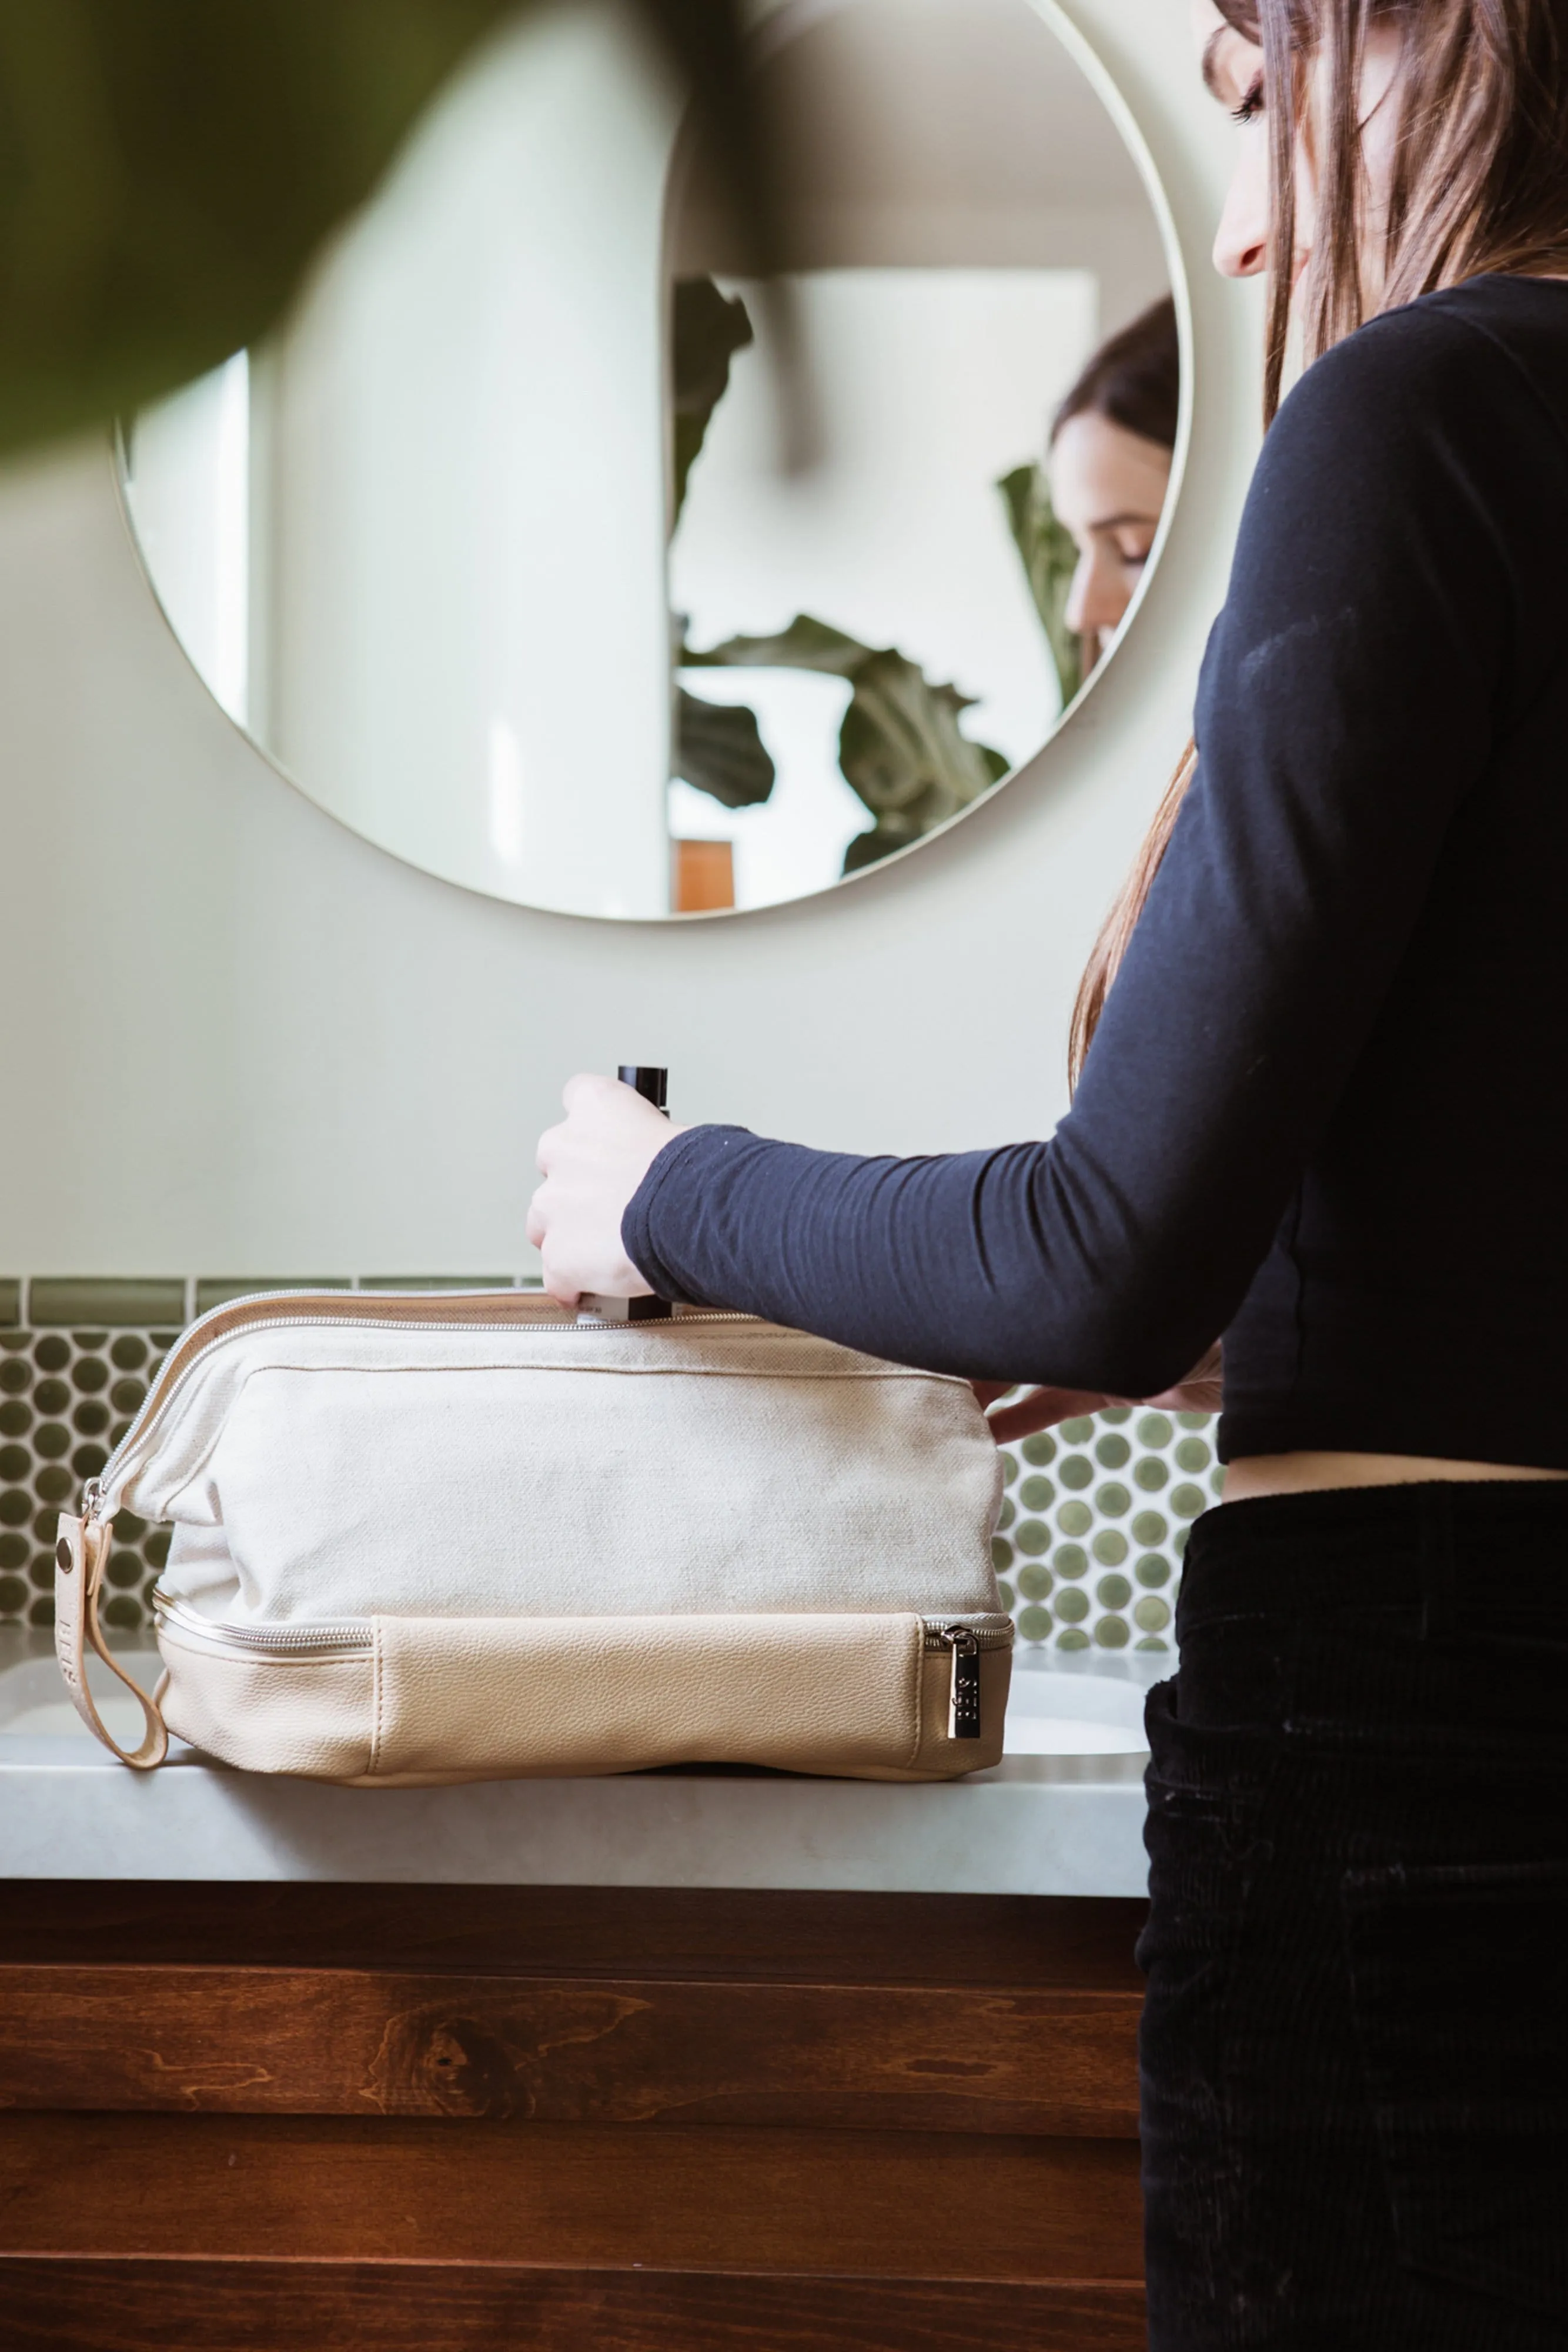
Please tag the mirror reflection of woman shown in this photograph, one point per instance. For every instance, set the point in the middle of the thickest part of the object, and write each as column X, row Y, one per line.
column 1112, row 442
column 1318, row 1113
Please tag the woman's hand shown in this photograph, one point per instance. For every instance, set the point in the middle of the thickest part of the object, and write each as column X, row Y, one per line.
column 1043, row 1408
column 591, row 1164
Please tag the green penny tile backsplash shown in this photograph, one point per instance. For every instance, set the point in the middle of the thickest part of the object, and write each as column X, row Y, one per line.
column 1093, row 1523
column 1088, row 1548
column 66, row 1397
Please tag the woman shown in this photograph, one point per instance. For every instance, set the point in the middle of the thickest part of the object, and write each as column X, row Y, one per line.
column 1317, row 1116
column 1111, row 441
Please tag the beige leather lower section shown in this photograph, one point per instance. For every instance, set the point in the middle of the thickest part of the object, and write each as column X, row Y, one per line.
column 583, row 1694
column 451, row 1699
column 309, row 1716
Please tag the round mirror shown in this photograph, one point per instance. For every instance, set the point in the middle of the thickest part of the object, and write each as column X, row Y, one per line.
column 498, row 550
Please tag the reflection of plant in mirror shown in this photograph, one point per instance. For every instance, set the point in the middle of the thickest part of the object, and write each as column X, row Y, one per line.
column 719, row 746
column 707, row 328
column 900, row 747
column 1049, row 559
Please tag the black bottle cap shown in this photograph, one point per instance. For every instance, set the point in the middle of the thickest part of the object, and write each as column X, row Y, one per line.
column 645, row 1079
column 653, row 1085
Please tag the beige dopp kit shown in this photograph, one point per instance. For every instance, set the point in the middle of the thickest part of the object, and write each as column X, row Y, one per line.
column 441, row 1536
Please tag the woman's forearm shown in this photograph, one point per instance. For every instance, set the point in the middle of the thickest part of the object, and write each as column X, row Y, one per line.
column 969, row 1263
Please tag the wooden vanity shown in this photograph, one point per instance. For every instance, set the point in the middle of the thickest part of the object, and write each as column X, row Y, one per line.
column 308, row 2117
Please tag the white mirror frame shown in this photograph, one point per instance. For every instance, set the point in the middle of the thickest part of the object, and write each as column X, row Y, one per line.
column 778, row 22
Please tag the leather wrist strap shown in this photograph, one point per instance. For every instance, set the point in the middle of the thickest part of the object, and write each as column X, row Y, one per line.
column 81, row 1555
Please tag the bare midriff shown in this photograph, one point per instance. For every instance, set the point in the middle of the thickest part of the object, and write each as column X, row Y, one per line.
column 1307, row 1473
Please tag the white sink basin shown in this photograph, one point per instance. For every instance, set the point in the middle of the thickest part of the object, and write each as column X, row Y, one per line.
column 32, row 1702
column 1050, row 1713
column 1079, row 1714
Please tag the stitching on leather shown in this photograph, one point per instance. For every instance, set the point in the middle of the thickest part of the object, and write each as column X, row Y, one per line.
column 378, row 1685
column 918, row 1649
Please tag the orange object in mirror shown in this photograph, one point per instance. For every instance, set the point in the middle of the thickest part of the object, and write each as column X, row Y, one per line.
column 702, row 876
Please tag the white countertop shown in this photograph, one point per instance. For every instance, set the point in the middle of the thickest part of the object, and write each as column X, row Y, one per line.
column 1063, row 1822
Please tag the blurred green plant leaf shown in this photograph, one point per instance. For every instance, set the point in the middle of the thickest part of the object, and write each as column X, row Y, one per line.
column 900, row 747
column 1049, row 559
column 168, row 170
column 708, row 328
column 806, row 643
column 719, row 748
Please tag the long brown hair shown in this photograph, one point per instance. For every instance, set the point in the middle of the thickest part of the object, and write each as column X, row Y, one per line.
column 1133, row 379
column 1480, row 181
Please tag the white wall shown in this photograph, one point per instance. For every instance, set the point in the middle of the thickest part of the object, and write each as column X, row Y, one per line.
column 241, row 1040
column 459, row 382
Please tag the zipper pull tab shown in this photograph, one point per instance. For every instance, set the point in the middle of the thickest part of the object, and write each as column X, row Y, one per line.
column 91, row 1493
column 964, row 1698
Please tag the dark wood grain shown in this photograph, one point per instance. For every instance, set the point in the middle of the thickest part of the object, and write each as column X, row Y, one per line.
column 144, row 2306
column 504, row 2048
column 907, row 2204
column 1074, row 1943
column 594, row 2049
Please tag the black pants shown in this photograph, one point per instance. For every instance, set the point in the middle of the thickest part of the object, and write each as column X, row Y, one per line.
column 1355, row 2045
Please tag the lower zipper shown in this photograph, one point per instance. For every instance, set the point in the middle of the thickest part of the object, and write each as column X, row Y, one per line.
column 962, row 1641
column 963, row 1644
column 270, row 1641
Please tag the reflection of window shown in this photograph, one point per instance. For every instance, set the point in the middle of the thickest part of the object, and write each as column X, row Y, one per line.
column 188, row 481
column 933, row 385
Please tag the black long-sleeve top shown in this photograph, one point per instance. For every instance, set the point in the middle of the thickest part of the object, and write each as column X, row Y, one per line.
column 1322, row 1114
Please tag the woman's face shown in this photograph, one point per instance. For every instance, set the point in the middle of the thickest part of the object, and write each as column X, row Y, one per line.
column 1232, row 69
column 1107, row 486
